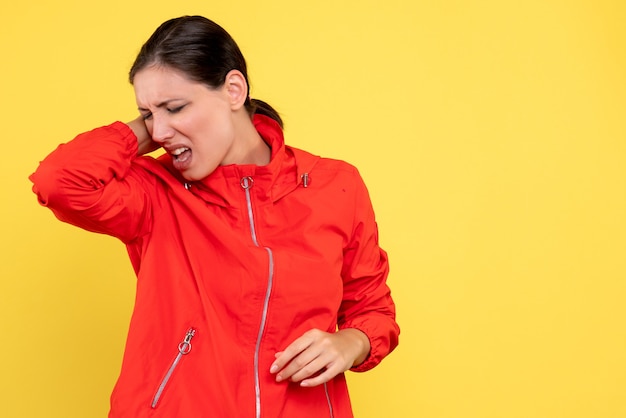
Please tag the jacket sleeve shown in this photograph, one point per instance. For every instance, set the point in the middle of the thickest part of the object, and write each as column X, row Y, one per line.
column 367, row 303
column 91, row 182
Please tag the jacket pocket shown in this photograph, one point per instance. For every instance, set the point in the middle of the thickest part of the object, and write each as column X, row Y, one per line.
column 184, row 348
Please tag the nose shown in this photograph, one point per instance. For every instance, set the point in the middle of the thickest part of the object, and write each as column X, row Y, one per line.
column 161, row 129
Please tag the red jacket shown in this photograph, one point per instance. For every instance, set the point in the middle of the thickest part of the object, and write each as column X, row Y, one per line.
column 230, row 270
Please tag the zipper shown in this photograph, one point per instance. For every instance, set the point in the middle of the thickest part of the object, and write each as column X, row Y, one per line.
column 330, row 405
column 246, row 184
column 184, row 348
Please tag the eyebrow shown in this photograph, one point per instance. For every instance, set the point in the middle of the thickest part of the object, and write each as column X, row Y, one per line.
column 162, row 104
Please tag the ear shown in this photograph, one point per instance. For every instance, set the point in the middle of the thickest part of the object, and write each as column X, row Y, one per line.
column 237, row 89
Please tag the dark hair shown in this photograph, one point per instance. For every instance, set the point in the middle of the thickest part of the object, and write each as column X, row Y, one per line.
column 203, row 51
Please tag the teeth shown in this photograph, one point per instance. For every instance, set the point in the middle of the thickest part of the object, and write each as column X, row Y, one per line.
column 179, row 151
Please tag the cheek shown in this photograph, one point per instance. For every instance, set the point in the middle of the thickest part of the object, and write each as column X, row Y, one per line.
column 149, row 126
column 218, row 132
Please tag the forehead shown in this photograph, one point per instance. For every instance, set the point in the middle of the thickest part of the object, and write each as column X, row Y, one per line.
column 158, row 83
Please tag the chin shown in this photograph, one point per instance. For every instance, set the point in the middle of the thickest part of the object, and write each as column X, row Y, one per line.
column 195, row 176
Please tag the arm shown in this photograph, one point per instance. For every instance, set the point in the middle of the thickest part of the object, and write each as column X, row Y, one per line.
column 367, row 304
column 91, row 182
column 366, row 319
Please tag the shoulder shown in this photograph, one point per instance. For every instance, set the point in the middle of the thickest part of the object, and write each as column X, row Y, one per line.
column 159, row 170
column 319, row 164
column 330, row 176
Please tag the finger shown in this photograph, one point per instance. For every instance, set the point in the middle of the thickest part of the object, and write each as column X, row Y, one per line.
column 292, row 350
column 321, row 378
column 304, row 362
column 283, row 358
column 315, row 367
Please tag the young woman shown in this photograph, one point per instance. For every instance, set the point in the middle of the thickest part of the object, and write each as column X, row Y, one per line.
column 259, row 276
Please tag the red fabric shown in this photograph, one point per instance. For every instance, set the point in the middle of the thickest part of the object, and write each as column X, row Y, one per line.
column 198, row 267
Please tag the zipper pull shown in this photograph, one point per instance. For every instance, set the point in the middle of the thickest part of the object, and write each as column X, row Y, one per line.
column 185, row 346
column 305, row 180
column 246, row 182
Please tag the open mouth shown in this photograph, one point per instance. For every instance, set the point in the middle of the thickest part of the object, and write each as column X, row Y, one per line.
column 181, row 158
column 181, row 154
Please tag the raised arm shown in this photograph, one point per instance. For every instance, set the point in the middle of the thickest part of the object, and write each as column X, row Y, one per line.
column 91, row 181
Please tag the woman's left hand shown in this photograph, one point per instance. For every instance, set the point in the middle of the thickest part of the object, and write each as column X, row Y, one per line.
column 317, row 356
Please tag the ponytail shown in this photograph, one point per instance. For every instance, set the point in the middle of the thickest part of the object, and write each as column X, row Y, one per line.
column 262, row 108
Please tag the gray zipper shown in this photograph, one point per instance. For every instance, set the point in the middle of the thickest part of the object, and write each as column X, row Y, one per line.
column 183, row 349
column 246, row 184
column 330, row 405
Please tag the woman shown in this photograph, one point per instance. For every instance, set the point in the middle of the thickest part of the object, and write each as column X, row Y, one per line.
column 259, row 275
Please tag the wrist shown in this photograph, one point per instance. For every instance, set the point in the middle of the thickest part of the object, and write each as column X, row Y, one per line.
column 361, row 341
column 144, row 141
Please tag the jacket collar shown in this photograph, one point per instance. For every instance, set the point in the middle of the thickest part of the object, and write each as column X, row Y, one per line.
column 283, row 174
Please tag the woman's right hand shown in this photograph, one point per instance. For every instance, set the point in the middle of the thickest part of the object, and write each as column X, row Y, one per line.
column 144, row 140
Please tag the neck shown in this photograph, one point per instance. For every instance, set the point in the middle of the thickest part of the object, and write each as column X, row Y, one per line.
column 249, row 148
column 259, row 153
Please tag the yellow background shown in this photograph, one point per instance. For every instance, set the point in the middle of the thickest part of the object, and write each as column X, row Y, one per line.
column 492, row 136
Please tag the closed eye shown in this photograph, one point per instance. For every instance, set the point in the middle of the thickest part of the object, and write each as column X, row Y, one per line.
column 146, row 116
column 176, row 109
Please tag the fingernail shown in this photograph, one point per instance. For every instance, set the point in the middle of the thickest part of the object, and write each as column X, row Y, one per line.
column 279, row 378
column 274, row 368
column 304, row 383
